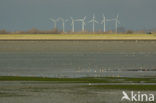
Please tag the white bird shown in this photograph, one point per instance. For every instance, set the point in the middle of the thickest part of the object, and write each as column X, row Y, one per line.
column 125, row 96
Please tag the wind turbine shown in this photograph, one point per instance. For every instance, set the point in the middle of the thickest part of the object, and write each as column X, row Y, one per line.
column 54, row 21
column 83, row 23
column 116, row 23
column 93, row 21
column 104, row 23
column 63, row 22
column 73, row 24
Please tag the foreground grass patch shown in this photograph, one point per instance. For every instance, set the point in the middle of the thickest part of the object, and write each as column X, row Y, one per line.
column 81, row 80
column 124, row 87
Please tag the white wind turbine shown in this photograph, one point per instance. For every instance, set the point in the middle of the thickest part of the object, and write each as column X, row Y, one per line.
column 104, row 22
column 93, row 21
column 73, row 24
column 116, row 23
column 63, row 22
column 83, row 23
column 54, row 21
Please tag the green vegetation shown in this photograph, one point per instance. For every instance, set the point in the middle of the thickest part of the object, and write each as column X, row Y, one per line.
column 123, row 87
column 81, row 80
column 90, row 80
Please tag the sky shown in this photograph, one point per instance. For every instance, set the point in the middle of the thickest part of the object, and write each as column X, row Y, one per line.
column 26, row 14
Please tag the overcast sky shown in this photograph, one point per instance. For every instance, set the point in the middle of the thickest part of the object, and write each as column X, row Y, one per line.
column 25, row 14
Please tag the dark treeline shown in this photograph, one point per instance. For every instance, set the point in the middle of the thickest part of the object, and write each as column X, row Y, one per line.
column 31, row 31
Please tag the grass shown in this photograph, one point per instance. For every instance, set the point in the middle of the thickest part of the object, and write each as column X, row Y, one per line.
column 106, row 80
column 78, row 36
column 124, row 87
column 81, row 80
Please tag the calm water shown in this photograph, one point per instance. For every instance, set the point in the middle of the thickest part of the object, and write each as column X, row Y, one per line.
column 78, row 58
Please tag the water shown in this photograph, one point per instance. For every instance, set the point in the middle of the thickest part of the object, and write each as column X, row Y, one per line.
column 72, row 59
column 78, row 58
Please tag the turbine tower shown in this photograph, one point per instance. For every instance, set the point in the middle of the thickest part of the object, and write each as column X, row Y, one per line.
column 54, row 21
column 83, row 23
column 93, row 21
column 63, row 22
column 116, row 23
column 73, row 24
column 104, row 23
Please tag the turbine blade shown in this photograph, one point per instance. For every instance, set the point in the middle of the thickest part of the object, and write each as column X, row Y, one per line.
column 90, row 21
column 53, row 20
column 84, row 18
column 66, row 20
column 58, row 19
column 79, row 20
column 96, row 21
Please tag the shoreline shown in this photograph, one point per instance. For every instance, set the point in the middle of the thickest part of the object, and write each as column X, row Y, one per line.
column 77, row 39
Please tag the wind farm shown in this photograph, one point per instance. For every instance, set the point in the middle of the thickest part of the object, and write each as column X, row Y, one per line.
column 85, row 23
column 89, row 25
column 72, row 33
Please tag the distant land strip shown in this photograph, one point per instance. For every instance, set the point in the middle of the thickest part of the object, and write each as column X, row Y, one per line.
column 77, row 39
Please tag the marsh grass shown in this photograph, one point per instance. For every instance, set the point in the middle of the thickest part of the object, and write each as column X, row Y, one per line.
column 81, row 80
column 124, row 87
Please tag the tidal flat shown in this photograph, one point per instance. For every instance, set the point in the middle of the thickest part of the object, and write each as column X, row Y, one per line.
column 75, row 71
column 45, row 91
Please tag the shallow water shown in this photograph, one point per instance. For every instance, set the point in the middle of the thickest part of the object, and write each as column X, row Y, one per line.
column 78, row 58
column 77, row 64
